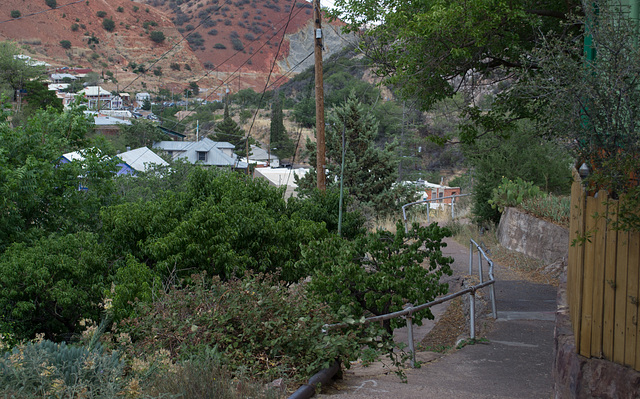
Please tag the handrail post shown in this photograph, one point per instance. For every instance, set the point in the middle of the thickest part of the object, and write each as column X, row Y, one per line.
column 404, row 217
column 480, row 265
column 428, row 213
column 471, row 258
column 453, row 203
column 409, row 319
column 472, row 315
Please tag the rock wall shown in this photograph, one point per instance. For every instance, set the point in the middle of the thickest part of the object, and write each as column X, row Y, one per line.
column 301, row 44
column 575, row 376
column 531, row 236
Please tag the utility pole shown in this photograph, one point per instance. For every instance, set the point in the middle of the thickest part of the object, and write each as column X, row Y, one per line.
column 320, row 143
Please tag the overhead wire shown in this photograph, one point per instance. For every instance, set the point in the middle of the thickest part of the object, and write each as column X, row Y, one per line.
column 230, row 77
column 270, row 72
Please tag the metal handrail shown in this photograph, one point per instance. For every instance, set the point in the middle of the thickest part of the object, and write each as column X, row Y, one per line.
column 428, row 201
column 410, row 309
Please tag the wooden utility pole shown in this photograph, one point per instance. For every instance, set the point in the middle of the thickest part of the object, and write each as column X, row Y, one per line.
column 320, row 143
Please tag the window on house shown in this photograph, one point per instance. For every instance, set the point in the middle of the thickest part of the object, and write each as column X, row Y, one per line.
column 170, row 153
column 202, row 156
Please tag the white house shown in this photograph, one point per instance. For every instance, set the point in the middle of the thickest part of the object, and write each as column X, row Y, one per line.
column 141, row 97
column 96, row 96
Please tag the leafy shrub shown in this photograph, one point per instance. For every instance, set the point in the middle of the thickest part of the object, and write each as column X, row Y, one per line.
column 74, row 27
column 101, row 14
column 219, row 46
column 550, row 207
column 174, row 66
column 511, row 193
column 108, row 24
column 380, row 272
column 46, row 369
column 65, row 44
column 213, row 32
column 52, row 285
column 51, row 3
column 157, row 36
column 237, row 44
column 120, row 9
column 147, row 24
column 15, row 14
column 195, row 40
column 257, row 325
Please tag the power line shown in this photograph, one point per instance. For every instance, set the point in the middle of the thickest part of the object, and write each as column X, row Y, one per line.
column 41, row 12
column 270, row 72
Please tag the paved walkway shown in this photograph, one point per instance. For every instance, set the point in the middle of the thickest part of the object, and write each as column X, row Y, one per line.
column 515, row 362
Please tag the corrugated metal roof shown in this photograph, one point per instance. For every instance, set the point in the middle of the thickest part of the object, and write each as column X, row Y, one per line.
column 141, row 159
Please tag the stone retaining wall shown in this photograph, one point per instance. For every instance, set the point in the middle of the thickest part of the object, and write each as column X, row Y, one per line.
column 531, row 236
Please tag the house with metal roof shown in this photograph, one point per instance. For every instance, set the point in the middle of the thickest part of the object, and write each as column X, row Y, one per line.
column 130, row 162
column 205, row 152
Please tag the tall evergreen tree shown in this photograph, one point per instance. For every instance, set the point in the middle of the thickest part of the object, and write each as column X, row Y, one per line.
column 369, row 171
column 279, row 140
column 228, row 130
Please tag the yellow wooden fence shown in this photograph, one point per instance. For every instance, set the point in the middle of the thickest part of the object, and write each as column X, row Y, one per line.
column 603, row 280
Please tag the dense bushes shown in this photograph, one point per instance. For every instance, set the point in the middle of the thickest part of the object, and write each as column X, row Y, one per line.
column 255, row 324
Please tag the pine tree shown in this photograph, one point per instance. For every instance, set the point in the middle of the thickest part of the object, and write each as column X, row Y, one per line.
column 369, row 171
column 279, row 140
column 228, row 130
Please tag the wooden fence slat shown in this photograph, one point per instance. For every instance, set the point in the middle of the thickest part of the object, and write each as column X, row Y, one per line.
column 576, row 257
column 610, row 282
column 620, row 328
column 634, row 262
column 588, row 279
column 598, row 243
column 631, row 319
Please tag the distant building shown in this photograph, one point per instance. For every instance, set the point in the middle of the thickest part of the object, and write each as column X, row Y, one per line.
column 97, row 97
column 262, row 157
column 206, row 152
column 60, row 77
column 139, row 160
column 130, row 162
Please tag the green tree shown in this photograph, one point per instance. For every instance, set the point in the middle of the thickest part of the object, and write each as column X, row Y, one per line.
column 39, row 195
column 51, row 285
column 217, row 221
column 228, row 130
column 422, row 45
column 195, row 89
column 65, row 44
column 15, row 71
column 51, row 3
column 369, row 171
column 157, row 36
column 108, row 24
column 15, row 14
column 379, row 272
column 586, row 94
column 146, row 104
column 523, row 155
column 141, row 133
column 281, row 144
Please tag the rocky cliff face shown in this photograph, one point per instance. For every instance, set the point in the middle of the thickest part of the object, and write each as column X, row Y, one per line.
column 221, row 45
column 301, row 45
